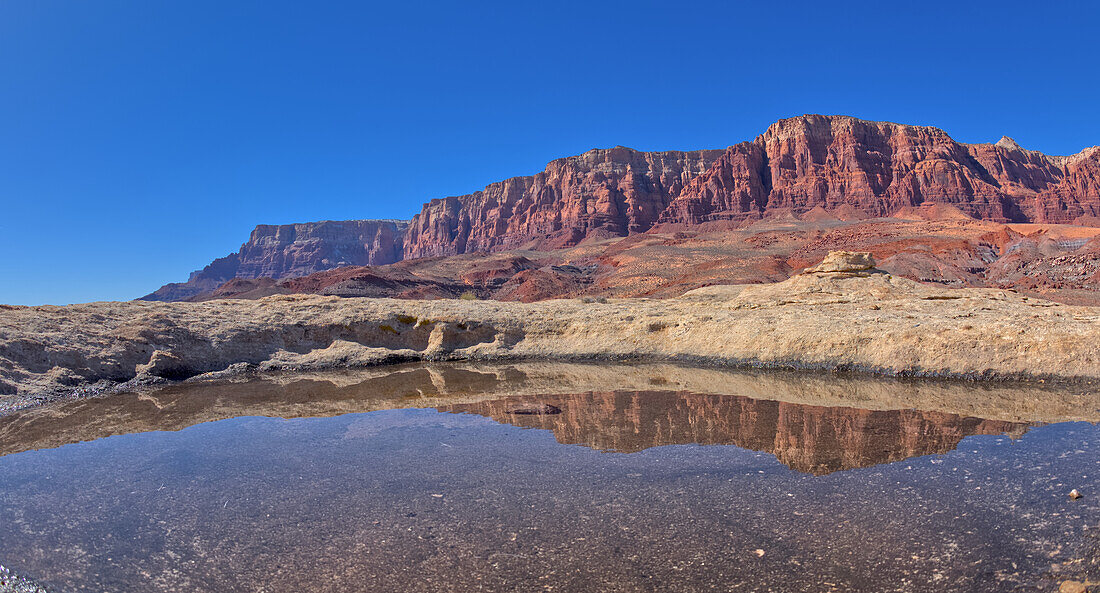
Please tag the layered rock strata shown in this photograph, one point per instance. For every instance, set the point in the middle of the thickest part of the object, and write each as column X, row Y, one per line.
column 881, row 168
column 812, row 167
column 290, row 250
column 1056, row 262
column 601, row 193
column 813, row 162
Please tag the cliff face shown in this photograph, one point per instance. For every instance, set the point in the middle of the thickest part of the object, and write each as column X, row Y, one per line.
column 809, row 165
column 810, row 439
column 798, row 165
column 601, row 193
column 291, row 250
column 814, row 161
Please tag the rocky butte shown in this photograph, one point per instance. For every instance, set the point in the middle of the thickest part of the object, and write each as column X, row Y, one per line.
column 808, row 168
column 292, row 250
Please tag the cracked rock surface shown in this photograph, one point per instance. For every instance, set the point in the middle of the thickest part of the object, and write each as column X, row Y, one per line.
column 838, row 319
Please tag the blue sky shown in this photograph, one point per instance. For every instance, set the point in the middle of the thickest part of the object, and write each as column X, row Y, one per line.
column 141, row 139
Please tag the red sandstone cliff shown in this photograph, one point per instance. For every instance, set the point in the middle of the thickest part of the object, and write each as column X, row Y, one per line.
column 601, row 193
column 798, row 165
column 812, row 166
column 880, row 168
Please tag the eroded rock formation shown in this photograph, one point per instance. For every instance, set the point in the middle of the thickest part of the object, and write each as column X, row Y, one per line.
column 1057, row 262
column 601, row 193
column 881, row 168
column 808, row 168
column 813, row 162
column 290, row 250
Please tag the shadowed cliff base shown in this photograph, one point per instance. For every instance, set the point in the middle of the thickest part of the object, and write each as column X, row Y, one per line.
column 929, row 245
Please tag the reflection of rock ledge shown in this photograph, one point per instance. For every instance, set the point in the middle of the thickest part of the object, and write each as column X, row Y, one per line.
column 876, row 323
column 444, row 384
column 810, row 439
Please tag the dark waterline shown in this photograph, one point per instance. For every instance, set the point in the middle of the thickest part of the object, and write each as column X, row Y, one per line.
column 607, row 493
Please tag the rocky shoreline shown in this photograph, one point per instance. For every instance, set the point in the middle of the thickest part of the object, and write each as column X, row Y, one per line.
column 13, row 583
column 842, row 315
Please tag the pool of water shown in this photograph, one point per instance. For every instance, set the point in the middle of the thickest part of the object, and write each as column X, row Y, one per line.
column 657, row 489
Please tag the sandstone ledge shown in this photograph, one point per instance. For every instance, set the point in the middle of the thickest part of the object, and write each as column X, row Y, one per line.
column 868, row 321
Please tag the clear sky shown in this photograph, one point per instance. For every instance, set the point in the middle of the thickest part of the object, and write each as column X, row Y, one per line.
column 140, row 139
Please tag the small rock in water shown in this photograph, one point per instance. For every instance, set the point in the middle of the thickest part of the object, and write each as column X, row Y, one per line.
column 1073, row 587
column 758, row 552
column 537, row 409
column 1074, row 494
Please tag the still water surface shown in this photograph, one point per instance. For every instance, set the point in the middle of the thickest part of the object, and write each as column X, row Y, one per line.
column 622, row 490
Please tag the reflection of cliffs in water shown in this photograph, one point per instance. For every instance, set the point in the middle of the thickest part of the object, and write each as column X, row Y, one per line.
column 811, row 439
column 439, row 385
